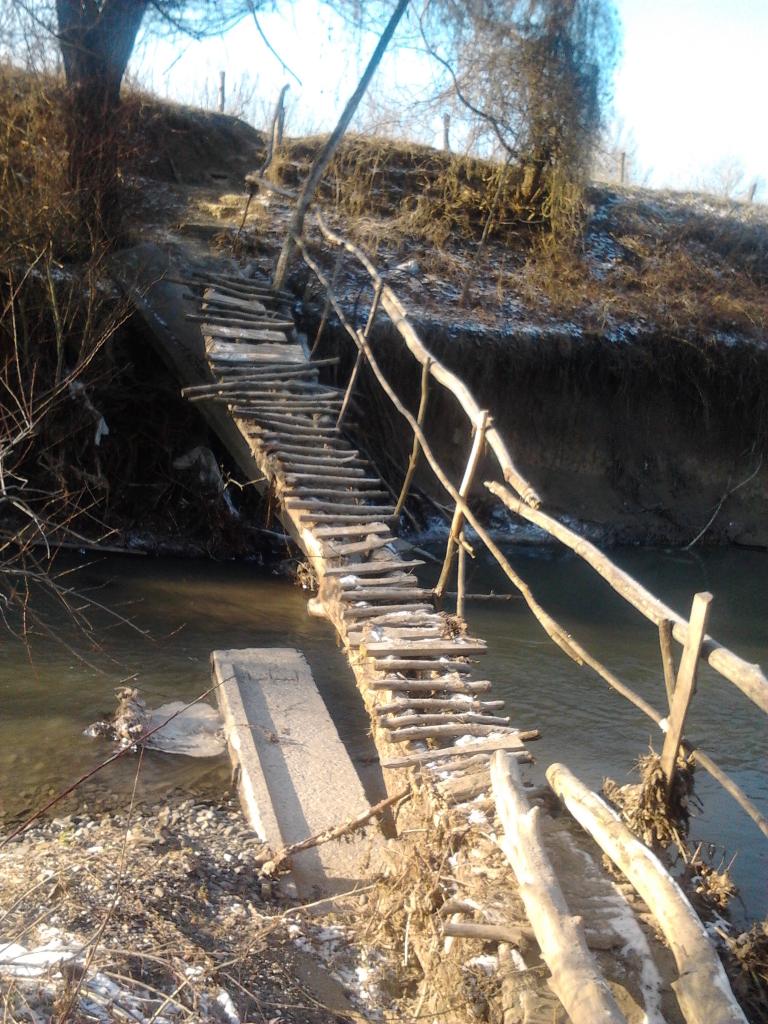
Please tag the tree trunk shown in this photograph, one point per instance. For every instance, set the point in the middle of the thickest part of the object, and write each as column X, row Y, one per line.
column 96, row 41
column 325, row 155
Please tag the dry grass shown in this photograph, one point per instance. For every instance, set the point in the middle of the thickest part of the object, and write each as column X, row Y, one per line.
column 421, row 193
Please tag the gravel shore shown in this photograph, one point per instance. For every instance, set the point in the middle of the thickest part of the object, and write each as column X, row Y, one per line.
column 160, row 915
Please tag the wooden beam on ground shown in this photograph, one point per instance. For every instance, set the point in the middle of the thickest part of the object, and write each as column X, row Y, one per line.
column 576, row 979
column 702, row 988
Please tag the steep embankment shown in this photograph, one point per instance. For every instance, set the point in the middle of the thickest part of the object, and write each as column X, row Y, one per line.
column 627, row 365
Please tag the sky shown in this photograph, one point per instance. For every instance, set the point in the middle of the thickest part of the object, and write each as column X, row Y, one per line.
column 689, row 95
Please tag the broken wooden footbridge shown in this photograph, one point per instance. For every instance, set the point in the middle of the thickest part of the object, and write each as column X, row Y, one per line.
column 448, row 753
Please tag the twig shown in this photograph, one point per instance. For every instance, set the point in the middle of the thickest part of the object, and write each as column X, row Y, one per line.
column 727, row 493
column 271, row 866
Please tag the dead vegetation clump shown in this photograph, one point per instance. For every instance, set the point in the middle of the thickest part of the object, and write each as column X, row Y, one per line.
column 748, row 968
column 663, row 823
column 644, row 806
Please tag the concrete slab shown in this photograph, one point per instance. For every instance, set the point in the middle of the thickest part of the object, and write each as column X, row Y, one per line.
column 296, row 778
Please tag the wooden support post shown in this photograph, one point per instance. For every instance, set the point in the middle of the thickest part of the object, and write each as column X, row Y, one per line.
column 327, row 306
column 458, row 516
column 416, row 449
column 685, row 685
column 222, row 91
column 360, row 353
column 460, row 587
column 667, row 658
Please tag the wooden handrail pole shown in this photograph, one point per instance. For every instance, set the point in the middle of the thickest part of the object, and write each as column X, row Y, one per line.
column 749, row 678
column 462, row 575
column 667, row 658
column 360, row 353
column 327, row 305
column 416, row 448
column 684, row 685
column 457, row 522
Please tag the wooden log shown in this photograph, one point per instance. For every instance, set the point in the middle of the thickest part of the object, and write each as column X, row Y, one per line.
column 422, row 632
column 336, row 475
column 438, row 732
column 425, row 626
column 356, row 582
column 288, row 419
column 219, row 301
column 229, row 359
column 359, row 547
column 440, row 373
column 334, row 517
column 462, row 789
column 435, row 704
column 298, row 454
column 749, row 678
column 368, row 568
column 513, row 742
column 357, row 612
column 247, row 400
column 684, row 686
column 240, row 320
column 335, row 492
column 231, row 286
column 394, row 594
column 387, row 664
column 702, row 990
column 391, row 618
column 413, row 460
column 354, row 531
column 338, row 446
column 258, row 378
column 318, row 505
column 280, row 406
column 451, row 717
column 452, row 647
column 242, row 333
column 333, row 459
column 302, row 364
column 439, row 685
column 461, row 578
column 246, row 284
column 340, row 469
column 575, row 978
column 359, row 359
column 459, row 764
column 289, row 428
column 274, row 437
column 475, row 454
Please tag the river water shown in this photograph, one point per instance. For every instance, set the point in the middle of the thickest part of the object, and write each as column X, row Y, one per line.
column 48, row 695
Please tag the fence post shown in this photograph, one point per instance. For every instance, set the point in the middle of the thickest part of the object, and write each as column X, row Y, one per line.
column 685, row 685
column 222, row 91
column 360, row 353
column 667, row 658
column 447, row 132
column 416, row 448
column 458, row 516
column 462, row 576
